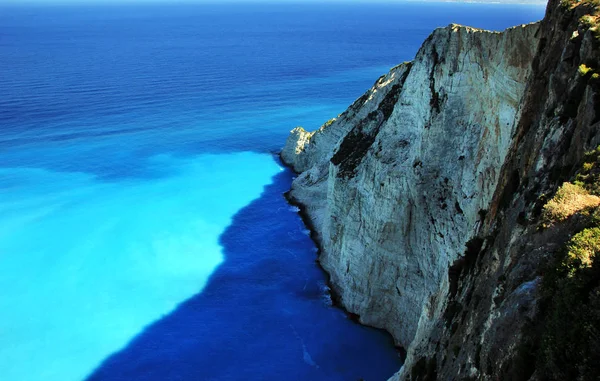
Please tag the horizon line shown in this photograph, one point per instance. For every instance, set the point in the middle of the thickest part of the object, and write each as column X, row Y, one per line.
column 279, row 2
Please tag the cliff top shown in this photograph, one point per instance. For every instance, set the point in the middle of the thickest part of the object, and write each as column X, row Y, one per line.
column 469, row 29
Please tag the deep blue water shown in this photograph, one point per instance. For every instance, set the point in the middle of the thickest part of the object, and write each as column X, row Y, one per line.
column 143, row 231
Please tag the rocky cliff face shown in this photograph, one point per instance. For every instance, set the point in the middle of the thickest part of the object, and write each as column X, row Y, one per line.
column 424, row 195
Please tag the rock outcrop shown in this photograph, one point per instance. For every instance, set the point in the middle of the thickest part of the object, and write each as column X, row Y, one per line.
column 424, row 194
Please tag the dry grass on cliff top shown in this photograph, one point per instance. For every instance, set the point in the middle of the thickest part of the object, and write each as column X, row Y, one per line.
column 569, row 199
column 582, row 195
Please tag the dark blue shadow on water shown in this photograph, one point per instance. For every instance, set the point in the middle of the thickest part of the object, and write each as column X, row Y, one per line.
column 263, row 315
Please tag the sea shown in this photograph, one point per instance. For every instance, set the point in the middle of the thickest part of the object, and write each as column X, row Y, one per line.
column 144, row 234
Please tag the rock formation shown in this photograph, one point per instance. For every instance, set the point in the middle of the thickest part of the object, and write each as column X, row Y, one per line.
column 424, row 195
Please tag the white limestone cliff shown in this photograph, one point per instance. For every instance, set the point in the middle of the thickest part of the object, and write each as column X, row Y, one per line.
column 397, row 185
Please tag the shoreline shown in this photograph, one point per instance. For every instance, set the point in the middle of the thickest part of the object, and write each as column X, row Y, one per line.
column 334, row 296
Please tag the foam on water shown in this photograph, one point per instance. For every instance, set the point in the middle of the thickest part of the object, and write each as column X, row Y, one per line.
column 85, row 264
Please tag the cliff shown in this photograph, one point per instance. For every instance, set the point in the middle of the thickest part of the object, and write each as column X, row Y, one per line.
column 426, row 195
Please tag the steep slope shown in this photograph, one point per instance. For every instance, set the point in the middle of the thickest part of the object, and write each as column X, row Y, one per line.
column 425, row 194
column 495, row 322
column 397, row 181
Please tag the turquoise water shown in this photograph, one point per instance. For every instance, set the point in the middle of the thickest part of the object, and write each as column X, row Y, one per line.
column 143, row 231
column 103, row 260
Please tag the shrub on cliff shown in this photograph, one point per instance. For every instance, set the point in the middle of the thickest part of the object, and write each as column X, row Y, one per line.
column 582, row 249
column 580, row 196
column 570, row 336
column 569, row 199
column 588, row 176
column 591, row 13
column 574, row 3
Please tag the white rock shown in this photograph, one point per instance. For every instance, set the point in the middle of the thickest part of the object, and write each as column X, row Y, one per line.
column 395, row 185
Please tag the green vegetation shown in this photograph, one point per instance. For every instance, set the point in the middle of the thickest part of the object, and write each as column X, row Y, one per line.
column 589, row 21
column 582, row 249
column 574, row 3
column 570, row 334
column 588, row 176
column 329, row 122
column 569, row 200
column 583, row 70
column 578, row 197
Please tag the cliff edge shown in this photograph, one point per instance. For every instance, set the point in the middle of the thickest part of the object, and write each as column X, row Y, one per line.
column 427, row 194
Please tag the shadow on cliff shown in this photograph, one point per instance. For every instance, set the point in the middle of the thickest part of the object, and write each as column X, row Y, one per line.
column 264, row 314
